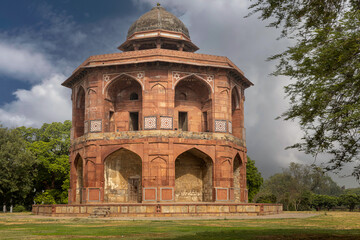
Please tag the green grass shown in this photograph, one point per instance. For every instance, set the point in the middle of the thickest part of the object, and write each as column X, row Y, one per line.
column 332, row 225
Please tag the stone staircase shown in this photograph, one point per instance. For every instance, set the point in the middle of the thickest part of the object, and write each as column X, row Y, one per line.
column 100, row 212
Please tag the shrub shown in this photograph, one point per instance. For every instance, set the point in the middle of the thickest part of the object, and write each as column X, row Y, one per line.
column 19, row 208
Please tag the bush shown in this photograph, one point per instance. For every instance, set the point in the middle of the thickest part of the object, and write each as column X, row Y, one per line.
column 45, row 198
column 266, row 198
column 19, row 208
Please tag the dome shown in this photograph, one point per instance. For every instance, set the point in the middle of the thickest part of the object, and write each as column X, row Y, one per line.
column 158, row 18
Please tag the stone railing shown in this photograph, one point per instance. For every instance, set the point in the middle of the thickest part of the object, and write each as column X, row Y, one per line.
column 162, row 134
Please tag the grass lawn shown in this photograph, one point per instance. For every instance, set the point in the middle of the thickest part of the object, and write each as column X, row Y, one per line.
column 329, row 225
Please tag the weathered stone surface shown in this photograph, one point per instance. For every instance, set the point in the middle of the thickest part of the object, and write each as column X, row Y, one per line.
column 158, row 124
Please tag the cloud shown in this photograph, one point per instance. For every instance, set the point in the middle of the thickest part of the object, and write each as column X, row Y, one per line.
column 23, row 62
column 44, row 102
column 219, row 28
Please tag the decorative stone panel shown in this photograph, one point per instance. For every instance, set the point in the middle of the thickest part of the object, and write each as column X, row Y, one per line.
column 149, row 123
column 72, row 133
column 167, row 194
column 166, row 122
column 86, row 127
column 230, row 126
column 149, row 194
column 222, row 194
column 95, row 125
column 93, row 195
column 220, row 125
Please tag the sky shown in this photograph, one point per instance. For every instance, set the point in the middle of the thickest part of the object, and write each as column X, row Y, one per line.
column 42, row 42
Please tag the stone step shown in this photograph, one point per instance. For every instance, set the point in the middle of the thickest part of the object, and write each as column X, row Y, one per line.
column 100, row 212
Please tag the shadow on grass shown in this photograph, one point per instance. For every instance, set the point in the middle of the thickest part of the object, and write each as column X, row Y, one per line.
column 319, row 234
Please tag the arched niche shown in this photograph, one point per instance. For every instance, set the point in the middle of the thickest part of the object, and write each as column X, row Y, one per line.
column 79, row 113
column 193, row 104
column 158, row 172
column 78, row 163
column 158, row 93
column 123, row 174
column 236, row 114
column 124, row 108
column 237, row 164
column 225, row 173
column 193, row 177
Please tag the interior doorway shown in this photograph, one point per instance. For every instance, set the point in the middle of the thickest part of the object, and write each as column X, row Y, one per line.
column 134, row 190
column 134, row 121
column 183, row 121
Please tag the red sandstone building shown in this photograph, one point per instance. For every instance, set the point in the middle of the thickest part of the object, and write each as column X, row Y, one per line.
column 157, row 122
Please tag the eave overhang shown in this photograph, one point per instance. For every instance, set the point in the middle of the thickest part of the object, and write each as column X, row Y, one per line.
column 158, row 34
column 157, row 55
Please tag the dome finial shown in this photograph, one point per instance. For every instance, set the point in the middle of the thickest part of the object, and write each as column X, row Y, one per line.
column 158, row 4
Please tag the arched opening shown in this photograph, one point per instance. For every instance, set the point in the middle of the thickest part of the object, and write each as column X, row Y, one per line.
column 79, row 178
column 193, row 105
column 125, row 95
column 236, row 176
column 235, row 113
column 123, row 173
column 79, row 113
column 134, row 96
column 193, row 177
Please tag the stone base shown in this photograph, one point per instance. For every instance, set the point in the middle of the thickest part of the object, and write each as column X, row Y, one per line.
column 157, row 209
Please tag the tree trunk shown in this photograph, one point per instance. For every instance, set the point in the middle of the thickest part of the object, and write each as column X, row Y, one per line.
column 4, row 208
column 11, row 206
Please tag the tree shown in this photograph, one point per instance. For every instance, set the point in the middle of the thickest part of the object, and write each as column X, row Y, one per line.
column 350, row 200
column 16, row 168
column 319, row 201
column 295, row 185
column 324, row 64
column 253, row 179
column 50, row 145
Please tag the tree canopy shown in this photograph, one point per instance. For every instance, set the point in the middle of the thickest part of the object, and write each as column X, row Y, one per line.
column 295, row 186
column 324, row 65
column 50, row 145
column 253, row 179
column 16, row 168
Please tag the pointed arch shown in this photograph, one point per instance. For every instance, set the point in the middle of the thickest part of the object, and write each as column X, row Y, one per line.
column 79, row 170
column 158, row 87
column 193, row 75
column 237, row 165
column 235, row 98
column 236, row 113
column 197, row 148
column 120, row 77
column 79, row 116
column 159, row 171
column 193, row 176
column 193, row 98
column 123, row 177
column 124, row 105
column 225, row 92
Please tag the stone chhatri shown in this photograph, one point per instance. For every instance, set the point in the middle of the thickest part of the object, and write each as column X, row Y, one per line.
column 158, row 19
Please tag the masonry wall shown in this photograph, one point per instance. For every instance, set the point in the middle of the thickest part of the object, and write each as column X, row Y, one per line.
column 102, row 104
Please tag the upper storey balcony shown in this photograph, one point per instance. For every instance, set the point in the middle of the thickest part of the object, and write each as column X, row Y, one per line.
column 158, row 83
column 187, row 108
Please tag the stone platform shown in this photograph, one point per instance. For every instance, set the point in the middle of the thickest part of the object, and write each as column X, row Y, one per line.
column 157, row 209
